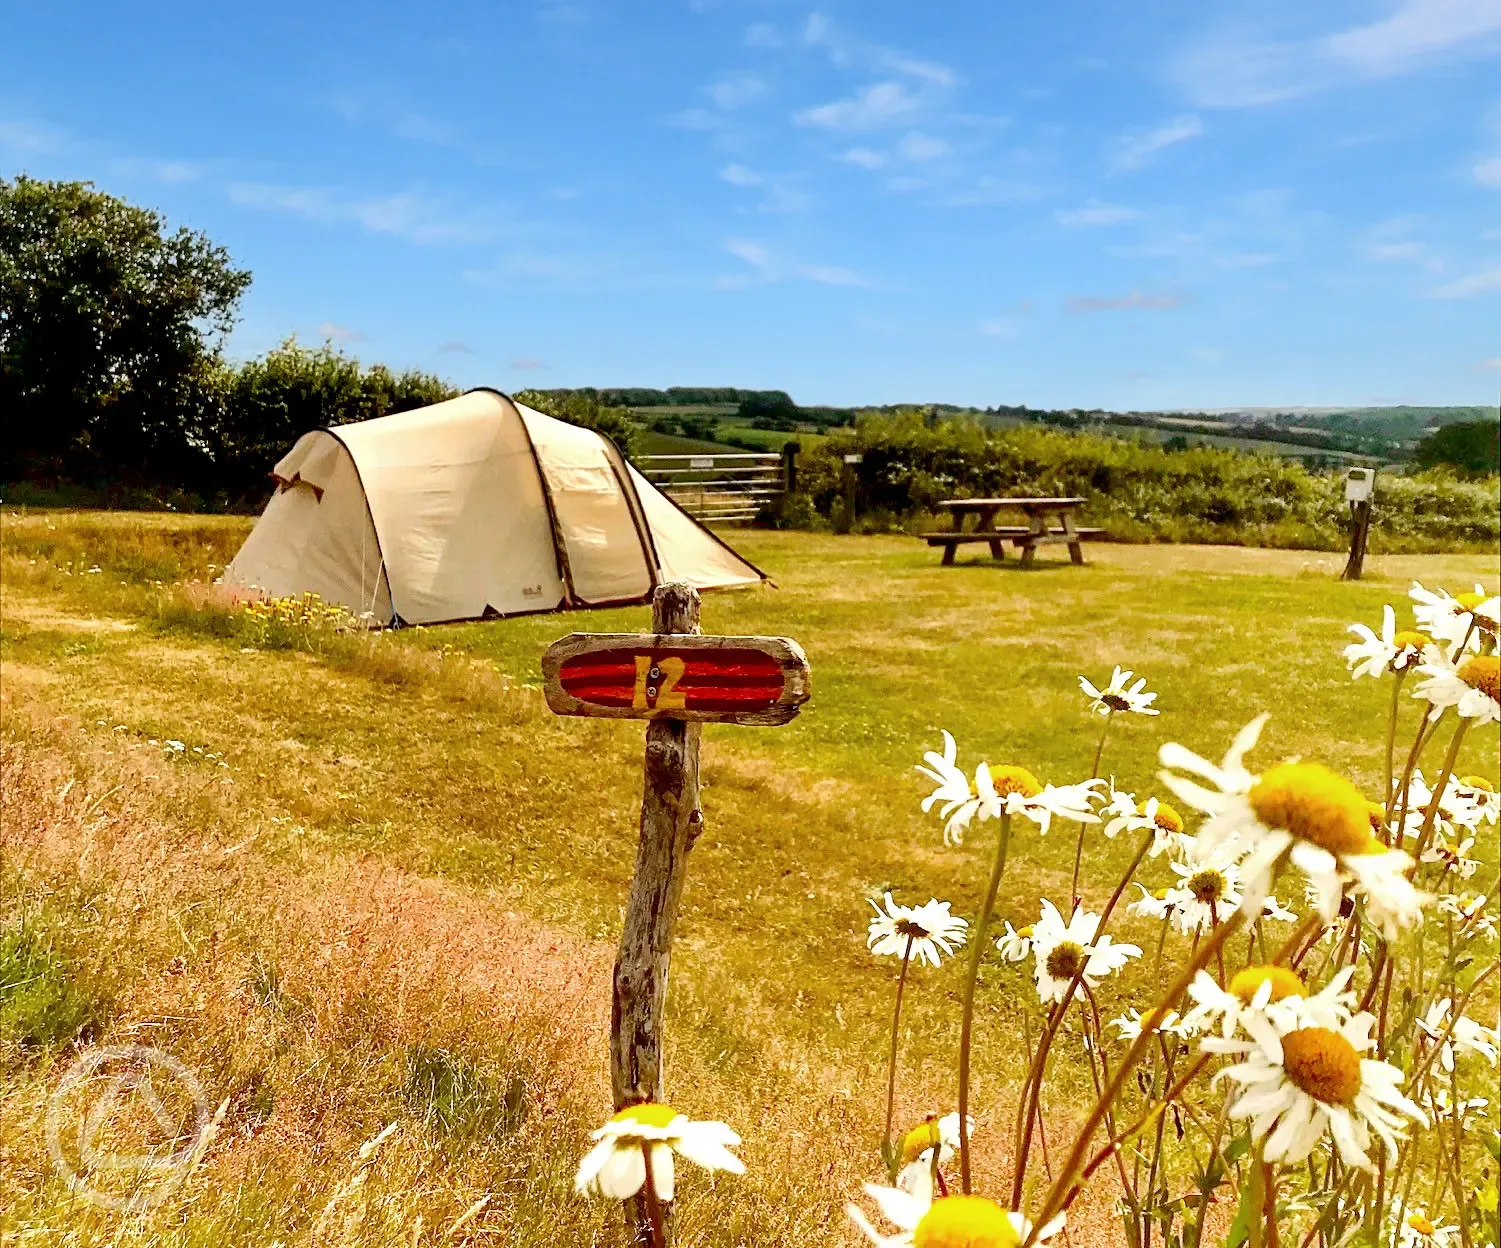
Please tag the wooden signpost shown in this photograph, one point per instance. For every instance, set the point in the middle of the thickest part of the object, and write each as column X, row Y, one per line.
column 678, row 680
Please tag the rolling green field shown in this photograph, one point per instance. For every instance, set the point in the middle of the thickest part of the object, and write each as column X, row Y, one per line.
column 397, row 900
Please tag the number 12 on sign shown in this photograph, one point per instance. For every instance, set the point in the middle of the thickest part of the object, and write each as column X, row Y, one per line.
column 656, row 684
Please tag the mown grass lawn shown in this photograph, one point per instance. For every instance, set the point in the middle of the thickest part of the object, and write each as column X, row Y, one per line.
column 424, row 764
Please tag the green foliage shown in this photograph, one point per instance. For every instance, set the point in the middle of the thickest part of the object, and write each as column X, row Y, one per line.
column 1472, row 446
column 110, row 329
column 1136, row 491
column 44, row 1000
column 272, row 401
column 580, row 407
column 453, row 1097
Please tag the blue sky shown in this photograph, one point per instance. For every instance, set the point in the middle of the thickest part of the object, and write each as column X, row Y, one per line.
column 1129, row 205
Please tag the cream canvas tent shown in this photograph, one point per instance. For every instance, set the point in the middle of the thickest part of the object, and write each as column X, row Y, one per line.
column 471, row 508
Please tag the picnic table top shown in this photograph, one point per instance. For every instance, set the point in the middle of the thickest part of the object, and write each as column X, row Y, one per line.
column 967, row 504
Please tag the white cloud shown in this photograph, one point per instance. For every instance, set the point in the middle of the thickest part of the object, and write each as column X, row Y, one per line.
column 31, row 136
column 1132, row 151
column 1488, row 172
column 988, row 191
column 1209, row 355
column 1491, row 363
column 411, row 216
column 832, row 275
column 1481, row 283
column 1418, row 31
column 752, row 253
column 1000, row 327
column 817, row 28
column 1119, row 303
column 762, row 35
column 1241, row 64
column 918, row 147
column 340, row 333
column 928, row 71
column 1095, row 213
column 864, row 157
column 527, row 364
column 698, row 119
column 455, row 348
column 737, row 92
column 739, row 175
column 874, row 107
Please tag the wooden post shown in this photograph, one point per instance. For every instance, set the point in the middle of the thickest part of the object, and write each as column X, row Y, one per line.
column 789, row 466
column 671, row 820
column 1361, row 530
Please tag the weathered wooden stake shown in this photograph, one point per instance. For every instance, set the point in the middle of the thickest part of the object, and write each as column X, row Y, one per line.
column 1359, row 533
column 671, row 820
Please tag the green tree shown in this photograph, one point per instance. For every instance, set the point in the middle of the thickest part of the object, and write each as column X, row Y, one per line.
column 111, row 329
column 1470, row 446
column 578, row 407
column 272, row 401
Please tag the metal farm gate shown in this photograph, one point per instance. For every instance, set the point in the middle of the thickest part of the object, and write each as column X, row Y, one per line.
column 719, row 488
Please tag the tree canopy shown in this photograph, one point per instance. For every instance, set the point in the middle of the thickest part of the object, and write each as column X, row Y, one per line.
column 111, row 329
column 1471, row 446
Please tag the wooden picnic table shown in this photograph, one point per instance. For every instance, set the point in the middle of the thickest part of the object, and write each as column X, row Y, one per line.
column 1038, row 531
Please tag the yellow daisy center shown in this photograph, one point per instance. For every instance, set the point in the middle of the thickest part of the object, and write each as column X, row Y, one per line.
column 1420, row 1224
column 1477, row 782
column 918, row 1140
column 1064, row 959
column 1314, row 804
column 1285, row 983
column 1019, row 780
column 1322, row 1063
column 1469, row 600
column 1168, row 819
column 1154, row 1018
column 1207, row 885
column 647, row 1114
column 1025, row 932
column 1161, row 893
column 965, row 1222
column 1483, row 672
column 1411, row 639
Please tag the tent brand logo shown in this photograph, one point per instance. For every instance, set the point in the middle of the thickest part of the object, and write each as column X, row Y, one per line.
column 531, row 591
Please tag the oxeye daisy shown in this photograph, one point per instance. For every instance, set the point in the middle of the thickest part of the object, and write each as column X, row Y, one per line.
column 1300, row 1081
column 1390, row 652
column 1207, row 893
column 1455, row 620
column 1271, row 908
column 1120, row 695
column 1472, row 686
column 1470, row 913
column 1158, row 905
column 1259, row 990
column 1479, row 795
column 1154, row 816
column 1132, row 1024
column 948, row 1222
column 916, row 1159
column 616, row 1166
column 1466, row 1036
column 1016, row 943
column 1454, row 857
column 1008, row 790
column 1318, row 819
column 931, row 930
column 1418, row 1230
column 1062, row 950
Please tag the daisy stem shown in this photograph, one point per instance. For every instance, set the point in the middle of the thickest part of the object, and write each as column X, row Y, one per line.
column 653, row 1205
column 896, row 1023
column 1391, row 747
column 1420, row 739
column 1094, row 773
column 1081, row 1142
column 1438, row 789
column 1032, row 1085
column 966, row 1026
column 1269, row 1239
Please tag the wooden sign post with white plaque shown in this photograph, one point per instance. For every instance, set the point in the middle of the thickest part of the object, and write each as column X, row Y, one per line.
column 676, row 679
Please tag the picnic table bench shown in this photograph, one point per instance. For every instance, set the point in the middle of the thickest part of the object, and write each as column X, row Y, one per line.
column 1038, row 530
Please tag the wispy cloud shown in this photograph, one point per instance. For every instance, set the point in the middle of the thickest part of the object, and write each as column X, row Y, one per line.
column 1488, row 172
column 32, row 137
column 762, row 35
column 1243, row 63
column 410, row 215
column 1122, row 303
column 1485, row 282
column 864, row 157
column 922, row 147
column 1392, row 242
column 928, row 71
column 1494, row 362
column 989, row 191
column 1208, row 355
column 832, row 275
column 455, row 348
column 1095, row 213
column 527, row 364
column 331, row 332
column 778, row 193
column 171, row 172
column 737, row 91
column 1134, row 150
column 876, row 107
column 768, row 268
column 739, row 175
